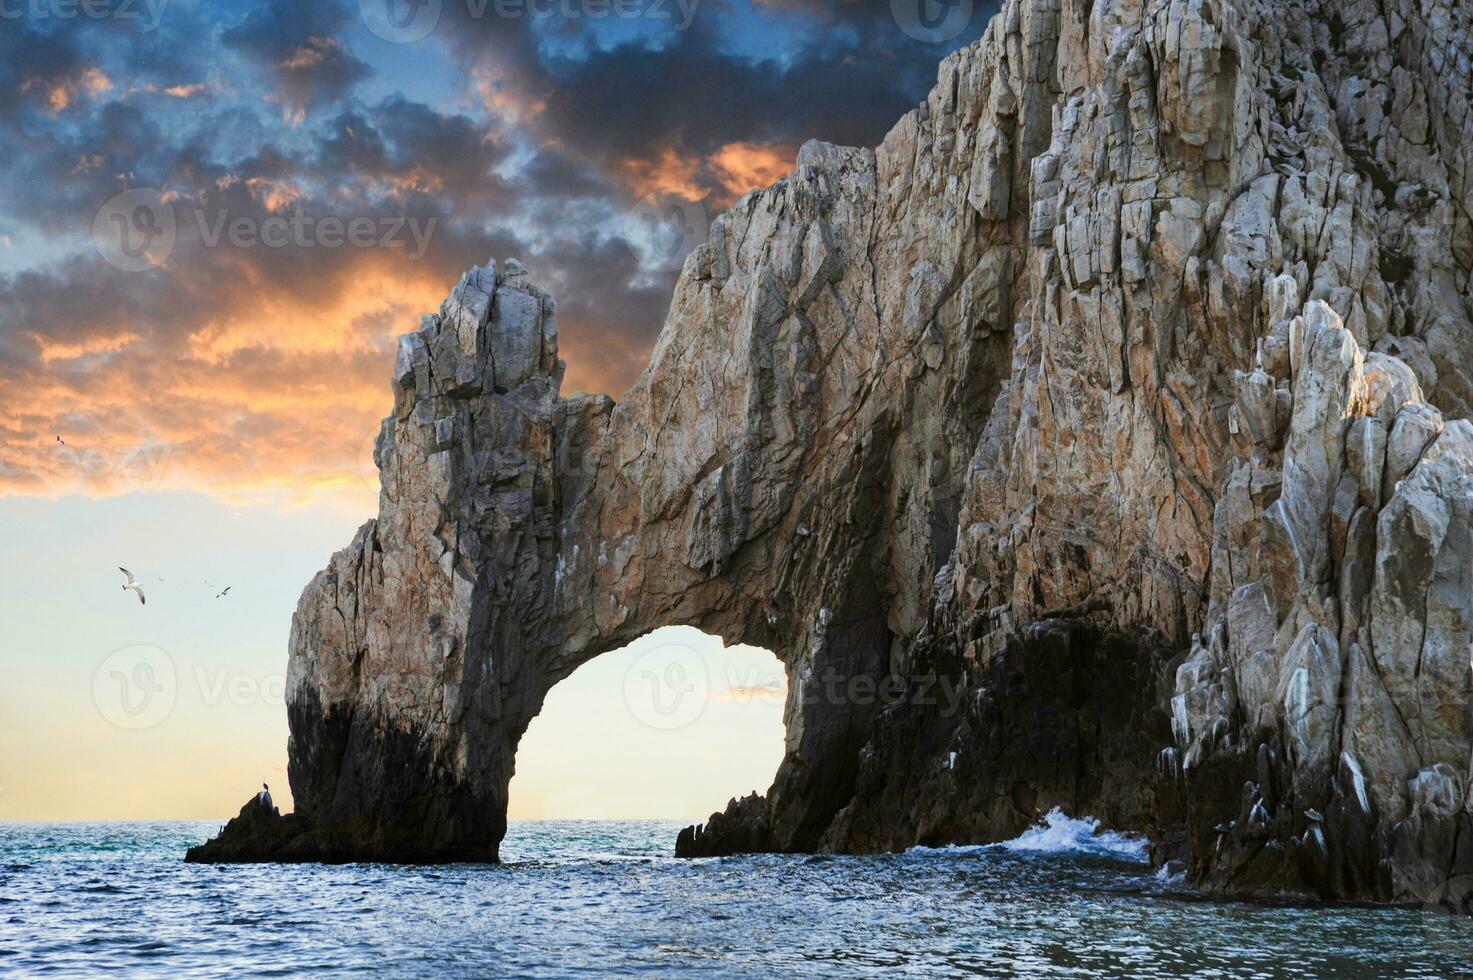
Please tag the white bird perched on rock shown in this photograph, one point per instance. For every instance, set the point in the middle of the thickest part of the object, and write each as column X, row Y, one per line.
column 132, row 585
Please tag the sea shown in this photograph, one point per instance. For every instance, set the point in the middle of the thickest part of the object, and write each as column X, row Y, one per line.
column 608, row 898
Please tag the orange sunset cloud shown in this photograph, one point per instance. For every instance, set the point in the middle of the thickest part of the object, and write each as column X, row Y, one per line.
column 734, row 170
column 272, row 400
column 278, row 401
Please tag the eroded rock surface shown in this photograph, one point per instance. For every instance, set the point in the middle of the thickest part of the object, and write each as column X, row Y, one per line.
column 1154, row 317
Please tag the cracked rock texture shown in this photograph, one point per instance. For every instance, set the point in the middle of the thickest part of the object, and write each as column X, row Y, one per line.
column 1144, row 341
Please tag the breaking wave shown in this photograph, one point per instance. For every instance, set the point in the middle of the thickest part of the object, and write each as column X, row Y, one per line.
column 1062, row 834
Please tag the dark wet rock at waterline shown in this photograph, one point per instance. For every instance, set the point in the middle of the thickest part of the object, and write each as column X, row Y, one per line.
column 739, row 829
column 983, row 744
column 1063, row 715
column 258, row 833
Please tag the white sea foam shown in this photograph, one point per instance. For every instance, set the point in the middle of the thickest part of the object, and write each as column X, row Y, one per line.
column 1061, row 834
column 949, row 850
column 1057, row 834
column 1172, row 873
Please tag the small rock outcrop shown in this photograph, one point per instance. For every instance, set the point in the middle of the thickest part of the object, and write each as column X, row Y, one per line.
column 739, row 829
column 1122, row 387
column 258, row 833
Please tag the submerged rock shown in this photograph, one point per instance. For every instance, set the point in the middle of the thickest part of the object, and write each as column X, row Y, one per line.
column 1154, row 317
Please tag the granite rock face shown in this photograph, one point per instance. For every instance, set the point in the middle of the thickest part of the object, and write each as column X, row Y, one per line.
column 1123, row 382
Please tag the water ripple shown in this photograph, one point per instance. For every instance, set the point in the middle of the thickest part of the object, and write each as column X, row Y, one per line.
column 583, row 898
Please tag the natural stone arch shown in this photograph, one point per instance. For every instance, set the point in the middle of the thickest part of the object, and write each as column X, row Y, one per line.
column 1125, row 355
column 521, row 534
column 818, row 460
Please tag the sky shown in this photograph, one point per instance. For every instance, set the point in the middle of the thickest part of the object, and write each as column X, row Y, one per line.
column 215, row 219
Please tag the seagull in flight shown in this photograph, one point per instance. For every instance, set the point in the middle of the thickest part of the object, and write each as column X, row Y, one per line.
column 132, row 585
column 61, row 440
column 223, row 594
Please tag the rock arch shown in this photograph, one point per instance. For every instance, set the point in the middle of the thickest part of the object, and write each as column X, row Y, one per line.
column 1124, row 356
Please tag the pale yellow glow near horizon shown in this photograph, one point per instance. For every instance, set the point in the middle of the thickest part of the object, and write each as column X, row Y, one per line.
column 673, row 726
column 69, row 749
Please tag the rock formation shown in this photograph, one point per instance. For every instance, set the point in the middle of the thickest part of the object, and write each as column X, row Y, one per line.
column 1120, row 388
column 258, row 833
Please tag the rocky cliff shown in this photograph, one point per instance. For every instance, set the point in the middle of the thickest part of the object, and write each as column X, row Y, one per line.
column 1119, row 391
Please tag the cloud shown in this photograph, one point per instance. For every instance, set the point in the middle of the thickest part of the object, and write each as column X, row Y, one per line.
column 295, row 42
column 258, row 372
column 33, row 65
column 635, row 105
column 718, row 178
column 406, row 147
column 774, row 689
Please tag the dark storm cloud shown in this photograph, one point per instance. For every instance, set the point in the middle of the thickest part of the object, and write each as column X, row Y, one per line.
column 410, row 145
column 550, row 174
column 608, row 312
column 628, row 102
column 32, row 64
column 296, row 42
column 271, row 31
column 693, row 92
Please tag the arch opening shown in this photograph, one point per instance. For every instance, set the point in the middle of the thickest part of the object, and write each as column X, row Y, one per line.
column 669, row 727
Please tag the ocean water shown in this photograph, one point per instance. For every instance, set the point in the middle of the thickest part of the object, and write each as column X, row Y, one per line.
column 606, row 898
